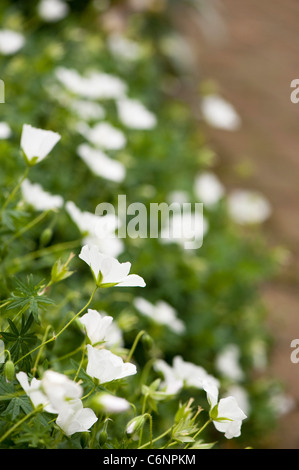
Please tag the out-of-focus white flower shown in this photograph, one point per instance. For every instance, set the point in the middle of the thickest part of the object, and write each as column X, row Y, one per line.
column 242, row 397
column 185, row 229
column 100, row 164
column 208, row 189
column 259, row 354
column 227, row 363
column 161, row 312
column 182, row 374
column 37, row 197
column 10, row 41
column 103, row 135
column 88, row 110
column 59, row 389
column 282, row 404
column 219, row 113
column 226, row 414
column 37, row 143
column 248, row 207
column 99, row 327
column 134, row 115
column 74, row 418
column 106, row 366
column 5, row 130
column 108, row 271
column 95, row 85
column 52, row 10
column 123, row 48
column 34, row 392
column 97, row 230
column 178, row 196
column 111, row 404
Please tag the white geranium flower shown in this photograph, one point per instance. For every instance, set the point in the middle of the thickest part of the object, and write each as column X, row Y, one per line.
column 123, row 48
column 134, row 115
column 161, row 312
column 59, row 389
column 219, row 113
column 52, row 10
column 37, row 197
column 95, row 85
column 37, row 143
column 106, row 366
column 100, row 164
column 242, row 397
column 108, row 271
column 96, row 325
column 103, row 135
column 74, row 418
column 87, row 110
column 227, row 363
column 110, row 404
column 34, row 392
column 248, row 207
column 182, row 374
column 10, row 41
column 5, row 130
column 208, row 189
column 226, row 414
column 97, row 230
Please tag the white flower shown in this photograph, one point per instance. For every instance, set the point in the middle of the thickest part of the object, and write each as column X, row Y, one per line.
column 103, row 135
column 100, row 164
column 52, row 10
column 123, row 48
column 5, row 130
column 10, row 41
column 108, row 271
column 37, row 197
column 162, row 313
column 226, row 414
column 106, row 366
column 87, row 110
column 219, row 113
column 95, row 85
column 59, row 389
column 208, row 189
column 248, row 207
column 74, row 418
column 111, row 404
column 97, row 230
column 241, row 396
column 34, row 392
column 134, row 115
column 182, row 374
column 97, row 325
column 227, row 363
column 37, row 143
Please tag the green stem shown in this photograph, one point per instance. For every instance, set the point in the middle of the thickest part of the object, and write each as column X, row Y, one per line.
column 21, row 421
column 81, row 363
column 199, row 431
column 156, row 439
column 140, row 334
column 14, row 191
column 61, row 331
column 40, row 351
column 27, row 227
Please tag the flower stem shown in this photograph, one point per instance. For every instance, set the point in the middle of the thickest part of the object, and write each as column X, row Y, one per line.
column 21, row 421
column 156, row 438
column 14, row 191
column 31, row 224
column 61, row 331
column 199, row 431
column 140, row 334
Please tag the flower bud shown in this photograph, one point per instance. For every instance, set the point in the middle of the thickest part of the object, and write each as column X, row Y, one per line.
column 46, row 236
column 147, row 341
column 135, row 424
column 103, row 438
column 9, row 371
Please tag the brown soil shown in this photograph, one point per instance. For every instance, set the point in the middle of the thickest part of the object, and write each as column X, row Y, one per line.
column 253, row 63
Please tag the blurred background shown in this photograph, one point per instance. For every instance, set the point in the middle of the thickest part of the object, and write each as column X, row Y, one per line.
column 242, row 54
